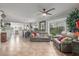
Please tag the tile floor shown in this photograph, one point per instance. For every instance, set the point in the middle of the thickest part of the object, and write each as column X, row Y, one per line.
column 18, row 46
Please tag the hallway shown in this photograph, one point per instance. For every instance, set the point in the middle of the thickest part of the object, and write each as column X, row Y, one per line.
column 18, row 46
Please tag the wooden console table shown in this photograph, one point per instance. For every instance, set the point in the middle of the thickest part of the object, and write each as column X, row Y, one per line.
column 3, row 36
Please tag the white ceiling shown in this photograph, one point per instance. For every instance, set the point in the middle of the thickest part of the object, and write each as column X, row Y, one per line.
column 29, row 12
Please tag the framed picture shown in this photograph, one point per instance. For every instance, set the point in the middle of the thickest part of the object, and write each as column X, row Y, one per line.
column 42, row 25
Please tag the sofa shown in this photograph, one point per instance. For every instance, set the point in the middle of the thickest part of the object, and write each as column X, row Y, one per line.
column 63, row 45
column 40, row 37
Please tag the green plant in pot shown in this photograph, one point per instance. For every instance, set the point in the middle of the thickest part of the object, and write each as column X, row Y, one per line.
column 71, row 20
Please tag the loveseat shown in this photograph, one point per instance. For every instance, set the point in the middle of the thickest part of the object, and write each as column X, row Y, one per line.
column 63, row 46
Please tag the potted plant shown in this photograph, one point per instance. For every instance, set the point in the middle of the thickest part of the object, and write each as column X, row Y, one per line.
column 72, row 22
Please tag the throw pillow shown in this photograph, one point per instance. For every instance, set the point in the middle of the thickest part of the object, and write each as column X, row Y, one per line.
column 34, row 34
column 38, row 35
column 60, row 38
column 64, row 39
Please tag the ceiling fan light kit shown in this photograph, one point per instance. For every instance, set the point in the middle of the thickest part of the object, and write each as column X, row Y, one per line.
column 44, row 14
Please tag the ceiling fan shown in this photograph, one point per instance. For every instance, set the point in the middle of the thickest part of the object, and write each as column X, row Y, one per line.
column 2, row 15
column 46, row 12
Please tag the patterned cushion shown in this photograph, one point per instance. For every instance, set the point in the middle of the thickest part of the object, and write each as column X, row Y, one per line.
column 66, row 39
column 34, row 34
column 60, row 38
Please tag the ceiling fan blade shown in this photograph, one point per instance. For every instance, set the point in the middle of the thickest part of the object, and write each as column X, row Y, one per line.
column 50, row 9
column 48, row 14
column 42, row 11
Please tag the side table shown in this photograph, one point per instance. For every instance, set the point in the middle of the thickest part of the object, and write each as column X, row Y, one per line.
column 75, row 47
